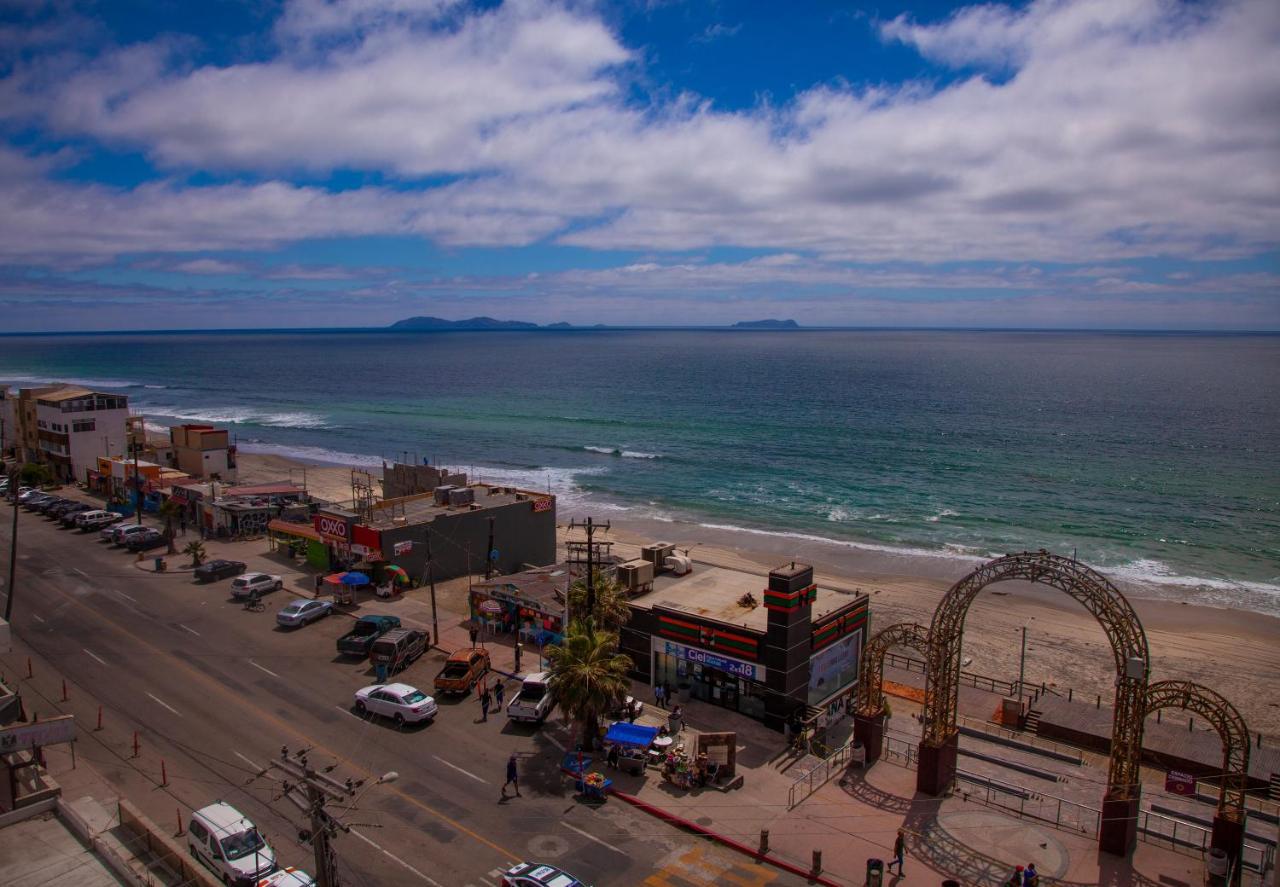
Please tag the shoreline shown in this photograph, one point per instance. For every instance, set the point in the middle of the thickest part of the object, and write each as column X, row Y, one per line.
column 1237, row 652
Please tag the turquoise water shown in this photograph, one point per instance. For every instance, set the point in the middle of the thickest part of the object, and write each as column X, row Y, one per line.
column 1156, row 456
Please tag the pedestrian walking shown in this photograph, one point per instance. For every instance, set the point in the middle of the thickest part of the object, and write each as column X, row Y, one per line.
column 1030, row 877
column 319, row 584
column 474, row 634
column 513, row 777
column 485, row 701
column 899, row 851
column 612, row 757
column 1015, row 880
column 497, row 693
column 667, row 695
column 658, row 692
column 675, row 720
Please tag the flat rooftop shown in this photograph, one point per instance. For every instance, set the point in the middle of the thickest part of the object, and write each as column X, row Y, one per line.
column 422, row 508
column 714, row 592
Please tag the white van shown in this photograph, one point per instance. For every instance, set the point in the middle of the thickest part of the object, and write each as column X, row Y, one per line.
column 229, row 844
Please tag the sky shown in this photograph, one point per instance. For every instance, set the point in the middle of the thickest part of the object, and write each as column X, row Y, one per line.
column 310, row 163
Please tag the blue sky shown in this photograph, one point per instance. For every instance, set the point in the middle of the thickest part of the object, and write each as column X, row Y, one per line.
column 1099, row 163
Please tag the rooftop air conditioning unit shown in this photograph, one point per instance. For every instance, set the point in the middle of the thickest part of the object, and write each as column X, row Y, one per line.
column 635, row 575
column 441, row 493
column 657, row 553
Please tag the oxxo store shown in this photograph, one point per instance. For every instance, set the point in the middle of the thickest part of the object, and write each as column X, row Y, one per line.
column 797, row 661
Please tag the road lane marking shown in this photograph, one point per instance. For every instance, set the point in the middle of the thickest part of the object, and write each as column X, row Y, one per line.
column 94, row 655
column 260, row 668
column 166, row 705
column 591, row 837
column 81, row 572
column 556, row 742
column 350, row 712
column 192, row 630
column 125, row 596
column 391, row 855
column 37, row 617
column 249, row 762
column 460, row 770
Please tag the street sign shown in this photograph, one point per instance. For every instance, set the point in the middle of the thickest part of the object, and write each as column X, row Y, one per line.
column 493, row 555
column 402, row 548
column 21, row 737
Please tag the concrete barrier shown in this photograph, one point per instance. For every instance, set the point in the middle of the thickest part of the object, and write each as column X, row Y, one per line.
column 166, row 850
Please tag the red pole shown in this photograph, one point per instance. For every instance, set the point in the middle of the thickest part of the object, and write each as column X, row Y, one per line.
column 164, row 774
column 22, row 708
column 29, row 668
column 178, row 813
column 135, row 743
column 64, row 689
column 99, row 727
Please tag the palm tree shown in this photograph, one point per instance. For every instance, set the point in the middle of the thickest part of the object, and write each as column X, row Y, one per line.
column 588, row 676
column 611, row 610
column 169, row 510
column 195, row 551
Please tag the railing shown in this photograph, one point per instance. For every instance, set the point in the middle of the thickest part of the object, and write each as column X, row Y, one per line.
column 1157, row 828
column 1021, row 737
column 1058, row 812
column 972, row 679
column 820, row 774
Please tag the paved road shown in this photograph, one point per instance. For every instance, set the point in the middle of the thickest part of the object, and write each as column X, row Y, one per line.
column 216, row 691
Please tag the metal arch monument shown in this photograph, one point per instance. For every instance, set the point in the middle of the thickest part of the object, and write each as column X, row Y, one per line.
column 868, row 711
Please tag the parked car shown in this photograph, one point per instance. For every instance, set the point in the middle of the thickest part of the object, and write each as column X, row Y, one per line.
column 262, row 583
column 218, row 569
column 67, row 517
column 400, row 702
column 44, row 505
column 367, row 629
column 397, row 648
column 116, row 534
column 533, row 703
column 290, row 877
column 535, row 874
column 461, row 671
column 31, row 498
column 97, row 518
column 58, row 510
column 146, row 540
column 226, row 841
column 302, row 611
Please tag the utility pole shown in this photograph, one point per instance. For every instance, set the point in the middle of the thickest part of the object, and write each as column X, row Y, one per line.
column 590, row 526
column 13, row 543
column 431, row 581
column 1022, row 663
column 137, row 482
column 308, row 790
column 488, row 555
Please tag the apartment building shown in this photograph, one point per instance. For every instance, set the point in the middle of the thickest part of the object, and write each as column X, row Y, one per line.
column 68, row 427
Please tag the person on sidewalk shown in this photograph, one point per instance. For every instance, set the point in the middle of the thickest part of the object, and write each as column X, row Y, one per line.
column 319, row 584
column 513, row 777
column 1030, row 877
column 497, row 692
column 474, row 634
column 1015, row 880
column 612, row 757
column 676, row 718
column 657, row 695
column 485, row 701
column 899, row 852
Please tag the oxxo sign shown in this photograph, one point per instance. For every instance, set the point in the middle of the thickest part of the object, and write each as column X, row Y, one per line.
column 332, row 528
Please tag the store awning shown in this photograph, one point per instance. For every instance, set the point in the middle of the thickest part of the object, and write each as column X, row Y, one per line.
column 623, row 733
column 289, row 528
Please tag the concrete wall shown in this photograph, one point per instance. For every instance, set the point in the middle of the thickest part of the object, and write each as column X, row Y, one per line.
column 406, row 480
column 522, row 536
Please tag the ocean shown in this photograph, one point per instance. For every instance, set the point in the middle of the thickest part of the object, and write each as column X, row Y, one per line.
column 1155, row 457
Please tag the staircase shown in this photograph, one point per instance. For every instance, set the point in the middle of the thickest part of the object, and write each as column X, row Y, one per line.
column 1033, row 721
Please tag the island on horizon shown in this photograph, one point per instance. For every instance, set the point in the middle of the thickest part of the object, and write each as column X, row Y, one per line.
column 766, row 325
column 490, row 323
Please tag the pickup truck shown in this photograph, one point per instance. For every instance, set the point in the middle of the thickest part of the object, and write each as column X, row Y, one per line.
column 359, row 640
column 533, row 703
column 462, row 670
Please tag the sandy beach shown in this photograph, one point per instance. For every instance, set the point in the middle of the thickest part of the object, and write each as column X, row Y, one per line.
column 1235, row 652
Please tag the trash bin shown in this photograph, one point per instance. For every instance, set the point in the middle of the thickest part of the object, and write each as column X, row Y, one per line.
column 159, row 565
column 875, row 872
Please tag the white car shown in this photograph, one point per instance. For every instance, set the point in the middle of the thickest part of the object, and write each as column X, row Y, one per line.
column 244, row 585
column 302, row 611
column 222, row 838
column 120, row 532
column 400, row 702
column 290, row 877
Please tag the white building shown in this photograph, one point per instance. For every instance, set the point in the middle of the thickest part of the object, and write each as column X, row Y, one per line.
column 8, row 420
column 75, row 425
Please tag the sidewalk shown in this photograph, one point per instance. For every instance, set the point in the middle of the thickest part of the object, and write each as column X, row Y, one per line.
column 856, row 817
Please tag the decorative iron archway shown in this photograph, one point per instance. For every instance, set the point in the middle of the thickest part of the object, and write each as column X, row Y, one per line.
column 869, row 703
column 870, row 699
column 1228, row 823
column 939, row 745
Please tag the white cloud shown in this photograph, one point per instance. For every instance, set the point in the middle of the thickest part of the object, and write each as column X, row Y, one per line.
column 1125, row 128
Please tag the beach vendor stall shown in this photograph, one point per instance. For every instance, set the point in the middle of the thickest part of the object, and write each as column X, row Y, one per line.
column 531, row 604
column 632, row 742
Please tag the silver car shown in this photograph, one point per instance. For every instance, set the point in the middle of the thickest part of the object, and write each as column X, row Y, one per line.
column 302, row 611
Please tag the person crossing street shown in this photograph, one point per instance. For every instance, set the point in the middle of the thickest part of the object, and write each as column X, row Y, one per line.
column 513, row 776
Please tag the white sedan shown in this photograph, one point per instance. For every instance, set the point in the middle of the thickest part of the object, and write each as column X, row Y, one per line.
column 400, row 702
column 302, row 611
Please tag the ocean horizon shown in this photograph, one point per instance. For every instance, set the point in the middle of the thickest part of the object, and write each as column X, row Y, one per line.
column 1152, row 454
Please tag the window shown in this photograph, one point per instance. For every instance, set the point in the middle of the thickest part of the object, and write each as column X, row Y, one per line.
column 84, row 425
column 197, row 830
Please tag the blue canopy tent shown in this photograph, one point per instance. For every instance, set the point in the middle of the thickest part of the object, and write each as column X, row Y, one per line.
column 637, row 735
